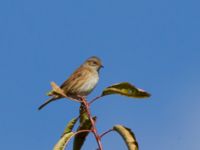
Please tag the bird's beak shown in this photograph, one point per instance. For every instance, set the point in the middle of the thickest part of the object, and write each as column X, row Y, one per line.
column 102, row 66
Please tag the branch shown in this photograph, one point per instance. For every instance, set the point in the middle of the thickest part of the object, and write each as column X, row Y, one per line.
column 106, row 132
column 78, row 132
column 96, row 98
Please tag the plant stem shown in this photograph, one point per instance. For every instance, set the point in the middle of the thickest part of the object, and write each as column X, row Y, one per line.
column 94, row 130
column 78, row 132
column 105, row 133
column 96, row 98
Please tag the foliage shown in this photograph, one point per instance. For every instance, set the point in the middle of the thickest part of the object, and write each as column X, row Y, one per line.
column 128, row 136
column 87, row 123
column 125, row 89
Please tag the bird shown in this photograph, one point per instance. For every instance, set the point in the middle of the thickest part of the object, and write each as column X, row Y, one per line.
column 81, row 82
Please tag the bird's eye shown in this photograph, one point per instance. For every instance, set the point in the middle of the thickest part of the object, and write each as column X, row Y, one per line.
column 94, row 63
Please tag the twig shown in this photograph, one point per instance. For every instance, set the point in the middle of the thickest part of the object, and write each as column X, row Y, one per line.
column 105, row 133
column 96, row 98
column 78, row 132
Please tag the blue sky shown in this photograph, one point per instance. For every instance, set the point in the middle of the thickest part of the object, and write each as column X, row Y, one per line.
column 151, row 44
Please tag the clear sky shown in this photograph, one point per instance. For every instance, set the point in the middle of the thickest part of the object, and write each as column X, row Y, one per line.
column 151, row 44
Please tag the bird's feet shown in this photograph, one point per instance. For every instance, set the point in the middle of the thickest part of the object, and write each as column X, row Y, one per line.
column 83, row 100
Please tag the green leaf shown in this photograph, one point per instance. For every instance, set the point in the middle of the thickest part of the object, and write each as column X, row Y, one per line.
column 128, row 137
column 70, row 125
column 62, row 143
column 80, row 138
column 125, row 89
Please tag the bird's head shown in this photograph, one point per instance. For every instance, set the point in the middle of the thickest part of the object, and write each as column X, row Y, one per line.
column 94, row 62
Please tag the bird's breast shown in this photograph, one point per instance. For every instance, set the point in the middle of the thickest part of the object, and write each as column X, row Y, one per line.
column 90, row 84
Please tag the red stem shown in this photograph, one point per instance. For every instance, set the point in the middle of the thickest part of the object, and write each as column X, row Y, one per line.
column 105, row 133
column 94, row 130
column 96, row 98
column 78, row 132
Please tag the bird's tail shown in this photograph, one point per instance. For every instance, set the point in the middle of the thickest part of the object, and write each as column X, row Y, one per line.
column 47, row 102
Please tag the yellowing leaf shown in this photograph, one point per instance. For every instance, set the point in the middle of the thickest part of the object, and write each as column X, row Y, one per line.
column 70, row 126
column 62, row 143
column 128, row 136
column 57, row 90
column 125, row 89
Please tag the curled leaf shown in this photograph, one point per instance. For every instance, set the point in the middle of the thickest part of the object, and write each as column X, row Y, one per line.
column 83, row 115
column 125, row 89
column 58, row 91
column 128, row 137
column 80, row 138
column 70, row 126
column 62, row 143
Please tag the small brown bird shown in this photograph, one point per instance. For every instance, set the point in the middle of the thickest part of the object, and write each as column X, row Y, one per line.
column 81, row 82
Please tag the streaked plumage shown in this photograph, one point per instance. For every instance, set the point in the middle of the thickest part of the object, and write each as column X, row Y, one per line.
column 81, row 82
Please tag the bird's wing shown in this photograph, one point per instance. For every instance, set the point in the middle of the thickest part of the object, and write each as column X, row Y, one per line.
column 76, row 79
